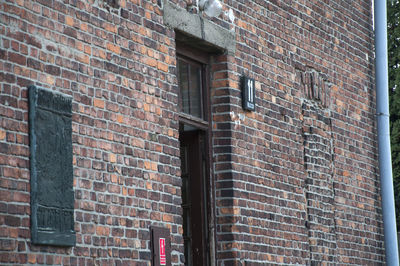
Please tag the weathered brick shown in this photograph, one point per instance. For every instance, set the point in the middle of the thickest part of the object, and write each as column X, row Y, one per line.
column 33, row 41
column 35, row 64
column 12, row 221
column 16, row 58
column 3, row 54
column 7, row 244
column 53, row 70
column 124, row 13
column 70, row 32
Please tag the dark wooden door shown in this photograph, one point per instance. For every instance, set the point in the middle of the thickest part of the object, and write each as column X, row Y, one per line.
column 193, row 197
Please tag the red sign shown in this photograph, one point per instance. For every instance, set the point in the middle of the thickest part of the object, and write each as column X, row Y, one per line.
column 163, row 259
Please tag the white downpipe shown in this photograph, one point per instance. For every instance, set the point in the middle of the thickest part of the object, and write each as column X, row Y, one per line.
column 382, row 109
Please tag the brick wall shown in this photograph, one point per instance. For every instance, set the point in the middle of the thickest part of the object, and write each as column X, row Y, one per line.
column 296, row 180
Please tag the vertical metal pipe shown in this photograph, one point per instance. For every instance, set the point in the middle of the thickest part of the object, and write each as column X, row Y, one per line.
column 382, row 108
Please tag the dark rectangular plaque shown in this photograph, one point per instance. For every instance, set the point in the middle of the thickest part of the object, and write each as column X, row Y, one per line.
column 248, row 93
column 160, row 246
column 52, row 195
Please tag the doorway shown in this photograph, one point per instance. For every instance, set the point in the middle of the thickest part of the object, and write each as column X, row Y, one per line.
column 194, row 137
column 194, row 196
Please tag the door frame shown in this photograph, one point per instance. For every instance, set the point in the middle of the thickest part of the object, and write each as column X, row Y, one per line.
column 205, row 126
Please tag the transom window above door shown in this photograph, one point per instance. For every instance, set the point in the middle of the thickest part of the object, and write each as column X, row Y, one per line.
column 191, row 88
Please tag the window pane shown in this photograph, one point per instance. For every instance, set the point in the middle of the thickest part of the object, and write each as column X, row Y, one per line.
column 190, row 88
column 195, row 95
column 183, row 83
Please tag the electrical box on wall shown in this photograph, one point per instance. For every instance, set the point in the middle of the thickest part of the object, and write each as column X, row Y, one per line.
column 248, row 93
column 160, row 246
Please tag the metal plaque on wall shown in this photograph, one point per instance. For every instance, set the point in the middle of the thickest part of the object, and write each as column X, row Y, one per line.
column 248, row 93
column 52, row 195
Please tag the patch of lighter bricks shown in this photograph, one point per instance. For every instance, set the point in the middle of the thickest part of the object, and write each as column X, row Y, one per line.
column 318, row 165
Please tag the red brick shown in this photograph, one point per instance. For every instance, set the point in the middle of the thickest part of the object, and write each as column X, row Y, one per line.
column 7, row 245
column 17, row 58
